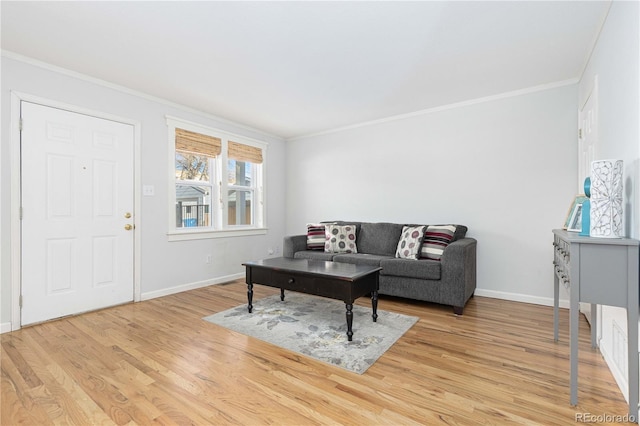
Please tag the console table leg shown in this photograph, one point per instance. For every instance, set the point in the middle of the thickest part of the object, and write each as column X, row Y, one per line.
column 556, row 297
column 349, row 321
column 574, row 310
column 250, row 296
column 632, row 355
column 374, row 305
column 594, row 325
column 282, row 294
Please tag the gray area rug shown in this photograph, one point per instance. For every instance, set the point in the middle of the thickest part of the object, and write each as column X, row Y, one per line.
column 317, row 327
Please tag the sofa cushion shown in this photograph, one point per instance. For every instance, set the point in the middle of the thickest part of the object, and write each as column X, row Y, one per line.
column 436, row 239
column 360, row 259
column 422, row 269
column 313, row 255
column 315, row 236
column 410, row 242
column 460, row 233
column 379, row 238
column 340, row 239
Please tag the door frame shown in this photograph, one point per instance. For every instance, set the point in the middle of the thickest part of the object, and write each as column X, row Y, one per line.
column 16, row 188
column 593, row 96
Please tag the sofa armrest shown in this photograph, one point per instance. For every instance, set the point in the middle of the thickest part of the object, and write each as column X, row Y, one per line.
column 292, row 244
column 459, row 269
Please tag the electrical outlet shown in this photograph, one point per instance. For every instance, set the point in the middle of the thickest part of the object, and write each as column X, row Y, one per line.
column 208, row 259
column 270, row 251
column 148, row 190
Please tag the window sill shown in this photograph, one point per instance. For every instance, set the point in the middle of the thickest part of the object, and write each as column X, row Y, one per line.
column 225, row 233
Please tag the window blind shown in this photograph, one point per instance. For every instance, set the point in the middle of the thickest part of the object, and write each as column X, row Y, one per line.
column 197, row 143
column 242, row 152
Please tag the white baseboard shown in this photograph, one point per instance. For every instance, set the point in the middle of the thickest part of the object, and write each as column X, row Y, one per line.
column 618, row 375
column 517, row 297
column 190, row 286
column 6, row 326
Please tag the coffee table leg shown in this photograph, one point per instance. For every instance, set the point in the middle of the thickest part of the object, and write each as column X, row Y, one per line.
column 374, row 305
column 282, row 294
column 250, row 295
column 349, row 321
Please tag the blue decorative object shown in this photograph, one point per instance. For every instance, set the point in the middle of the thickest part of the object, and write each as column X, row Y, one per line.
column 586, row 209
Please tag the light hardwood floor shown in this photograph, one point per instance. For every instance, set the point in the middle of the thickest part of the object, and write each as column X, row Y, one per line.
column 158, row 362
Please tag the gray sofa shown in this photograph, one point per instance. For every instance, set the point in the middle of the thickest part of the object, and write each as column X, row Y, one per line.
column 448, row 281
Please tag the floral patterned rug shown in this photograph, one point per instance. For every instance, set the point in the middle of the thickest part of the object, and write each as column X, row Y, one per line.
column 317, row 327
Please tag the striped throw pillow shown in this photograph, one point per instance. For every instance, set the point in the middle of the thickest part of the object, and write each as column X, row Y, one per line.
column 436, row 239
column 315, row 236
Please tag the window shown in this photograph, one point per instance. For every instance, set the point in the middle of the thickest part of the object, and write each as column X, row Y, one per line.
column 195, row 156
column 242, row 165
column 216, row 182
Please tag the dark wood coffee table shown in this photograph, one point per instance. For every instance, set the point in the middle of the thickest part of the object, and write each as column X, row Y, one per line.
column 335, row 280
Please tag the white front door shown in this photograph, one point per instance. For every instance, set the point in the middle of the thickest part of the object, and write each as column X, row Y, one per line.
column 77, row 199
column 587, row 136
column 587, row 145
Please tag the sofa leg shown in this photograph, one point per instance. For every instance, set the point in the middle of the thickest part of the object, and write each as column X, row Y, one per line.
column 458, row 310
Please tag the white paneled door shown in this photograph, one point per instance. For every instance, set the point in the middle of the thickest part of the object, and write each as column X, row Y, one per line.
column 77, row 174
column 587, row 144
column 587, row 136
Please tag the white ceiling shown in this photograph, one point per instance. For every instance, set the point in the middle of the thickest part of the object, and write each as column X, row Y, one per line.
column 297, row 68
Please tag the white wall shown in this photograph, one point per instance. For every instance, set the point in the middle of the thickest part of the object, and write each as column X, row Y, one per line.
column 165, row 266
column 615, row 62
column 505, row 167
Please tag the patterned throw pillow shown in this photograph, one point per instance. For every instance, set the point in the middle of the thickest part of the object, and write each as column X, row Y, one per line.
column 340, row 239
column 436, row 239
column 315, row 236
column 410, row 240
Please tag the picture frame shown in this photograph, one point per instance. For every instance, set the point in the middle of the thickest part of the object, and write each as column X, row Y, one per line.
column 573, row 221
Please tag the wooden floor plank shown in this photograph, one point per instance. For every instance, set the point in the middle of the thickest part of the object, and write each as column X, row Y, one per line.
column 159, row 362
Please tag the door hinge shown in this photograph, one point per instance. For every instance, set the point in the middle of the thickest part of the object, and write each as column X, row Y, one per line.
column 580, row 133
column 21, row 213
column 20, row 301
column 20, row 124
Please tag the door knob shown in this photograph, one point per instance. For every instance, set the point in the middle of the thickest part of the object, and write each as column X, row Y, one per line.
column 127, row 215
column 128, row 227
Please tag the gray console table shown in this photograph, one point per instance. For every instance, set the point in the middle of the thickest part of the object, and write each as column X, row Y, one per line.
column 600, row 271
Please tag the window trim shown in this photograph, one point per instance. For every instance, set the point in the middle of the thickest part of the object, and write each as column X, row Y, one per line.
column 219, row 221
